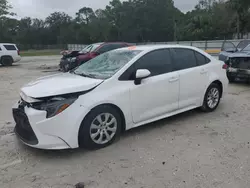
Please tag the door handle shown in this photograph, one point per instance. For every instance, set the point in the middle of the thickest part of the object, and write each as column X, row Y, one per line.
column 173, row 79
column 203, row 71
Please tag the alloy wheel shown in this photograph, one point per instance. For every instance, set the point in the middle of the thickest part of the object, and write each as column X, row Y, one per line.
column 213, row 97
column 103, row 128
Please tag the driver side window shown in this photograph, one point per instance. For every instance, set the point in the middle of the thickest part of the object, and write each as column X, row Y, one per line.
column 157, row 62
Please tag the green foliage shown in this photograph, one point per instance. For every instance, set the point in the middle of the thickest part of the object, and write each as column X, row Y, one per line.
column 130, row 21
column 4, row 8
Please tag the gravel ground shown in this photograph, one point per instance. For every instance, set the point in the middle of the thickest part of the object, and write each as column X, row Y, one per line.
column 191, row 150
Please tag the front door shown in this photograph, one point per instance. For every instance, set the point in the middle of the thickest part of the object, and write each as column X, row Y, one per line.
column 158, row 94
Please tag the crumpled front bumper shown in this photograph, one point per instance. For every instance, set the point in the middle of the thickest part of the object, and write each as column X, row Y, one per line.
column 37, row 131
column 71, row 65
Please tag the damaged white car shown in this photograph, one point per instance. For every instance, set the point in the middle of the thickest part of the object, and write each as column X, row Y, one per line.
column 116, row 91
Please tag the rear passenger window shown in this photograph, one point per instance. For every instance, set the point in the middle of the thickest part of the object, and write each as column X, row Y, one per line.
column 109, row 47
column 201, row 59
column 183, row 58
column 10, row 47
column 115, row 46
column 157, row 62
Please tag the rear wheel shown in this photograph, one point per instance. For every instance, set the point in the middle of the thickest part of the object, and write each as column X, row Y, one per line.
column 211, row 98
column 6, row 61
column 100, row 128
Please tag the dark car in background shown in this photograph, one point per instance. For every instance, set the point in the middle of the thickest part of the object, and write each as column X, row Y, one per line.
column 74, row 59
column 237, row 60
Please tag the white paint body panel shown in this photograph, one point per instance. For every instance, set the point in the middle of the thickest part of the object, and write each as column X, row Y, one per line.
column 155, row 98
column 59, row 84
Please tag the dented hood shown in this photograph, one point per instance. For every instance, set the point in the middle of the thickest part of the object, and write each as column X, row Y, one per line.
column 63, row 83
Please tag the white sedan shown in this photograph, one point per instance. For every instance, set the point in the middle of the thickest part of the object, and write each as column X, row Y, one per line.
column 114, row 92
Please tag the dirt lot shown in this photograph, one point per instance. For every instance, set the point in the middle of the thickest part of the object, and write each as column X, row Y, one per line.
column 191, row 150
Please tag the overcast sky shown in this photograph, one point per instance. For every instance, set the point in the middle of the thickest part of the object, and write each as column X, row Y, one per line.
column 42, row 8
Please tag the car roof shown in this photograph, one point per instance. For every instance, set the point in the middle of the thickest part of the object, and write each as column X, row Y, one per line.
column 155, row 47
column 115, row 43
column 7, row 44
column 98, row 43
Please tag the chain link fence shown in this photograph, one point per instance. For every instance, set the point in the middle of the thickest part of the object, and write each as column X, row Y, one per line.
column 212, row 47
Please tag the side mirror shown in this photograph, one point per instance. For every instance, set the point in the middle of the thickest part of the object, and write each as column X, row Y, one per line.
column 140, row 75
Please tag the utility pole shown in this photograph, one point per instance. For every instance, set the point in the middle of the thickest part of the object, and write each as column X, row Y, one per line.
column 175, row 30
column 238, row 26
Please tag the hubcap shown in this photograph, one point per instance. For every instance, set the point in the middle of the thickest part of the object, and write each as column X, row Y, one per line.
column 103, row 128
column 213, row 97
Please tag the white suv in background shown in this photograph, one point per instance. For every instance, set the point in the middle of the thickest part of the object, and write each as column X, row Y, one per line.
column 9, row 54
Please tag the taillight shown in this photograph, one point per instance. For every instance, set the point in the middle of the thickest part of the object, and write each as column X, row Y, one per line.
column 225, row 66
column 18, row 52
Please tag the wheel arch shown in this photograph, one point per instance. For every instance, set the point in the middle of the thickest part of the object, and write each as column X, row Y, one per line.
column 3, row 56
column 219, row 83
column 105, row 104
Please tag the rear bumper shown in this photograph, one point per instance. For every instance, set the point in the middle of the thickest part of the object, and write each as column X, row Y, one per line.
column 17, row 59
column 238, row 73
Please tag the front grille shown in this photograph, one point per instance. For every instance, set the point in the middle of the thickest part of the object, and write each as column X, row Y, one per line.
column 23, row 128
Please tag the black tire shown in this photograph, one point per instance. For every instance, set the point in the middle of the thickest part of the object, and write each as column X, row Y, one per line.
column 7, row 61
column 205, row 107
column 84, row 136
column 66, row 67
column 231, row 79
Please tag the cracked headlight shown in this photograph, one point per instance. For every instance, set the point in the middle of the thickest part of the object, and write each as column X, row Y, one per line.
column 54, row 106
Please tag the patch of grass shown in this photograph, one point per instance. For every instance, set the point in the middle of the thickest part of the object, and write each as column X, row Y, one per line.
column 39, row 53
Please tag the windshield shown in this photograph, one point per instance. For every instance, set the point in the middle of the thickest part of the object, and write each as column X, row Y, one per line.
column 243, row 44
column 86, row 49
column 247, row 49
column 106, row 65
column 90, row 48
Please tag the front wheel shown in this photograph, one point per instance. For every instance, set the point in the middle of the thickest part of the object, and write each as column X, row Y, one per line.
column 100, row 128
column 211, row 98
column 66, row 67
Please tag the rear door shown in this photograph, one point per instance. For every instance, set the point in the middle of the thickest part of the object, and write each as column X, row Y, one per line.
column 193, row 78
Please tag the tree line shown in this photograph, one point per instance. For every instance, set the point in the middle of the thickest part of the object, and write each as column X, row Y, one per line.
column 130, row 21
